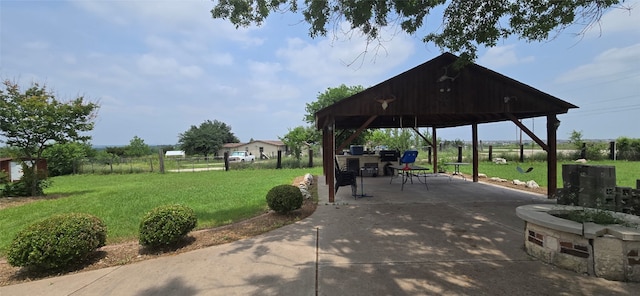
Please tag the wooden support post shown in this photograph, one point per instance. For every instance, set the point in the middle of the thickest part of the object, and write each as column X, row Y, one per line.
column 435, row 150
column 329, row 155
column 552, row 158
column 474, row 136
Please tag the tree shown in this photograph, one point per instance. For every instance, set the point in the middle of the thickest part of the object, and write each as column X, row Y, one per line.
column 327, row 98
column 207, row 138
column 298, row 138
column 465, row 24
column 575, row 139
column 396, row 139
column 34, row 120
column 116, row 151
column 592, row 151
column 137, row 148
column 628, row 149
column 62, row 159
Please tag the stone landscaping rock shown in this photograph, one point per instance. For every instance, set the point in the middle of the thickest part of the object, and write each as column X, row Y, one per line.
column 532, row 184
column 518, row 182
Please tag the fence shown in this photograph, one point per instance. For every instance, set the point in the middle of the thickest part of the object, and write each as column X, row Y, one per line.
column 124, row 165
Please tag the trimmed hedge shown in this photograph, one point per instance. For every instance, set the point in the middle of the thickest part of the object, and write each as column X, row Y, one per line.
column 166, row 225
column 284, row 198
column 58, row 241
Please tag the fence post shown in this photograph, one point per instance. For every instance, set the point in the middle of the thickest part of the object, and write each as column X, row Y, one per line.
column 279, row 162
column 459, row 153
column 521, row 152
column 612, row 150
column 310, row 158
column 429, row 154
column 490, row 152
column 226, row 160
column 583, row 151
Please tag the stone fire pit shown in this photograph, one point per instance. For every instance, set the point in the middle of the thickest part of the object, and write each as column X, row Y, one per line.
column 607, row 251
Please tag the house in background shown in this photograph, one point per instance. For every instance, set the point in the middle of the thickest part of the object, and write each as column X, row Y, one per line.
column 13, row 167
column 262, row 149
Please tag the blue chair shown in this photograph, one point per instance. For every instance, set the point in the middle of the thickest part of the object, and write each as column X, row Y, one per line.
column 409, row 157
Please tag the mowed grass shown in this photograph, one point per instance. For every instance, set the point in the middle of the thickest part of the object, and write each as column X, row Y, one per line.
column 217, row 197
column 627, row 172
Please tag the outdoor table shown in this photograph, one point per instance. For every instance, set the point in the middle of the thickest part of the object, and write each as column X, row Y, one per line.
column 456, row 168
column 407, row 172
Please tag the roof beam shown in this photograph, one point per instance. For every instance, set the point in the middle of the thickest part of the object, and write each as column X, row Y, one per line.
column 528, row 132
column 358, row 131
column 421, row 136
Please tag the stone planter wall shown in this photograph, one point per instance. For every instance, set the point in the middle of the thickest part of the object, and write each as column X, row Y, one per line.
column 606, row 251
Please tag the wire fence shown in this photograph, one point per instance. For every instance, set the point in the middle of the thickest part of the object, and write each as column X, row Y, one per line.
column 125, row 165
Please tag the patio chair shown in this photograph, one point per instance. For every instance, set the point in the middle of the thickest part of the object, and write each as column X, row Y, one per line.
column 344, row 178
column 408, row 157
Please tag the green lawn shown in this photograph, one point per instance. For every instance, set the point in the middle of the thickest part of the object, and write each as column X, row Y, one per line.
column 218, row 198
column 627, row 172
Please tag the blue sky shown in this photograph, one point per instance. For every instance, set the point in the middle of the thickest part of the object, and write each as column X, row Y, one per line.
column 159, row 67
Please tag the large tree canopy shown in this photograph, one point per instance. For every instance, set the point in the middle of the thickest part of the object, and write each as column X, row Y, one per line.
column 34, row 120
column 299, row 137
column 207, row 138
column 465, row 24
column 137, row 147
column 327, row 98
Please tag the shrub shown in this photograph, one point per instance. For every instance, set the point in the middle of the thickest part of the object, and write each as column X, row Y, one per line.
column 57, row 241
column 284, row 198
column 166, row 225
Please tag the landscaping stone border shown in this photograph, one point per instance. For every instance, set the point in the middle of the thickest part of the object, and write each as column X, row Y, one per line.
column 607, row 251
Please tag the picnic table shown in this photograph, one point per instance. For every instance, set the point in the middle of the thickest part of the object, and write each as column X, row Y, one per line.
column 456, row 168
column 408, row 172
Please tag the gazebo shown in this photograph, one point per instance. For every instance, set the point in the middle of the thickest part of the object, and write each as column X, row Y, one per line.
column 437, row 94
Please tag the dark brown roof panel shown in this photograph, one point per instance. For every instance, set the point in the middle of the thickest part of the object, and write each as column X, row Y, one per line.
column 434, row 94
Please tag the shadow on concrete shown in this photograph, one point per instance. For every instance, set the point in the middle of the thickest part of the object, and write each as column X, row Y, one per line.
column 173, row 287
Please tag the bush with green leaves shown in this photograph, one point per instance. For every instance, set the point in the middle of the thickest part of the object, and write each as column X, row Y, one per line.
column 58, row 241
column 284, row 198
column 166, row 225
column 22, row 187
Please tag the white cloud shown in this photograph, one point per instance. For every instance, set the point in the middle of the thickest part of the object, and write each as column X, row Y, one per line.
column 353, row 60
column 37, row 45
column 503, row 56
column 191, row 71
column 153, row 65
column 220, row 59
column 612, row 63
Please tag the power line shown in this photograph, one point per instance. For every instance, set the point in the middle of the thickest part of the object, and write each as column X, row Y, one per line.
column 588, row 82
column 604, row 110
column 612, row 99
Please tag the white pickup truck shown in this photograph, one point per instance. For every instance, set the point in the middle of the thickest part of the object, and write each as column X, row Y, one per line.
column 241, row 156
